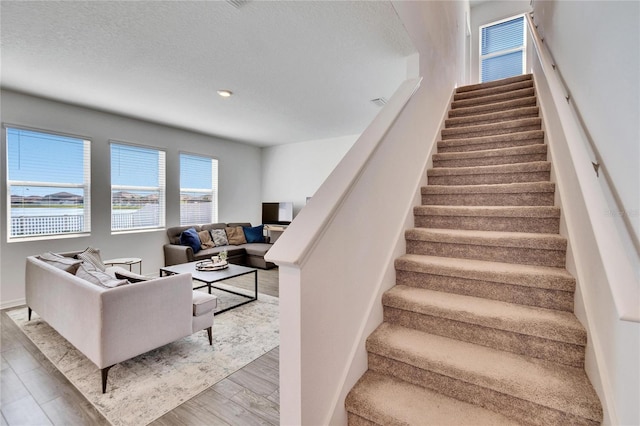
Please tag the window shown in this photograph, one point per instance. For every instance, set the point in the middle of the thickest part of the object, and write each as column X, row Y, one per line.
column 198, row 189
column 502, row 49
column 48, row 183
column 137, row 187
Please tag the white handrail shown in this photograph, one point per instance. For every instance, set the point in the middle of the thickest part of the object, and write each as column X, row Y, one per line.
column 598, row 164
column 293, row 246
column 617, row 266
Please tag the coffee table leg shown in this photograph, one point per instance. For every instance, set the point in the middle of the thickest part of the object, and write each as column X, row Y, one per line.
column 255, row 276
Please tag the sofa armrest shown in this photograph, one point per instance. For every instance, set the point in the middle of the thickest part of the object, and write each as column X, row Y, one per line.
column 137, row 318
column 175, row 254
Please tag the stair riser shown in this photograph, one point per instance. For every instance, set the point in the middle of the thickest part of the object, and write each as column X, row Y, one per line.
column 522, row 199
column 495, row 83
column 518, row 255
column 493, row 131
column 508, row 224
column 490, row 161
column 476, row 120
column 480, row 93
column 444, row 147
column 489, row 108
column 532, row 346
column 355, row 420
column 516, row 408
column 490, row 178
column 465, row 103
column 521, row 295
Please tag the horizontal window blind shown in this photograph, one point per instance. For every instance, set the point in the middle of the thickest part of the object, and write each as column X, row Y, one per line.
column 137, row 187
column 502, row 48
column 48, row 182
column 198, row 189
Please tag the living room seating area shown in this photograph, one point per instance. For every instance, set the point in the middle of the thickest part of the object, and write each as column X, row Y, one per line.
column 245, row 244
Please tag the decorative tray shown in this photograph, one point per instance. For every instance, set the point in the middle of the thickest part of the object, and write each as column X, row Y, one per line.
column 208, row 265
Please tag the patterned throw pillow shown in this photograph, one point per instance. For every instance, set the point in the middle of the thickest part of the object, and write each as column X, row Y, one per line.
column 68, row 264
column 92, row 256
column 205, row 240
column 235, row 235
column 219, row 237
column 94, row 276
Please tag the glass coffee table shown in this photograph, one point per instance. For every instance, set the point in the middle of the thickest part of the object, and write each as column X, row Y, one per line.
column 209, row 278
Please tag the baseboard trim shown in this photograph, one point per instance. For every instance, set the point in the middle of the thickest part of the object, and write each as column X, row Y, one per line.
column 6, row 304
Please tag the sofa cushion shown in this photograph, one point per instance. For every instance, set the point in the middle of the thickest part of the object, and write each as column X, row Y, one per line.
column 87, row 272
column 257, row 249
column 189, row 237
column 205, row 240
column 68, row 264
column 124, row 274
column 92, row 256
column 232, row 251
column 254, row 234
column 219, row 237
column 203, row 303
column 235, row 235
column 175, row 231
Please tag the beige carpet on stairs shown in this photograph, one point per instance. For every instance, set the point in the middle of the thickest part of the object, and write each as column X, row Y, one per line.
column 479, row 329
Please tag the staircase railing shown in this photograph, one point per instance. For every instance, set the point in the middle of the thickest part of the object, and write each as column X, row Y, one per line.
column 613, row 243
column 337, row 256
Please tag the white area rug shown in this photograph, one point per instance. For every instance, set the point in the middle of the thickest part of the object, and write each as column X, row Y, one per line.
column 145, row 387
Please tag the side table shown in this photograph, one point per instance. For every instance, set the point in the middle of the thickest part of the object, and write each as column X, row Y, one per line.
column 125, row 261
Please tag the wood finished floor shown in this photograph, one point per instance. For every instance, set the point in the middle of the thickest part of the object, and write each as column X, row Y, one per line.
column 34, row 392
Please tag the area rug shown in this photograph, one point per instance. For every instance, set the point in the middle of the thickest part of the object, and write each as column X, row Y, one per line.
column 145, row 387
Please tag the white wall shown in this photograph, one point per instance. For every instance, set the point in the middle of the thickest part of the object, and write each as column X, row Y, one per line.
column 240, row 174
column 595, row 45
column 293, row 172
column 486, row 13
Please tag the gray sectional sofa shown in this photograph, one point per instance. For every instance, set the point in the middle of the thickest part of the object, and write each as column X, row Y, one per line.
column 248, row 254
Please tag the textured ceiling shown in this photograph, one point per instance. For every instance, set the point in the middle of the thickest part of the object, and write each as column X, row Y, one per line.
column 299, row 70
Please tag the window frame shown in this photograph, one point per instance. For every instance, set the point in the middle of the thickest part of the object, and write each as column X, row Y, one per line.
column 522, row 48
column 85, row 185
column 214, row 186
column 161, row 188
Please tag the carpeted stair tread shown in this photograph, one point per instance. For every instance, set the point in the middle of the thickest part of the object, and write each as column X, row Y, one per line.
column 385, row 400
column 494, row 107
column 494, row 83
column 489, row 91
column 492, row 157
column 544, row 383
column 489, row 238
column 525, row 320
column 491, row 211
column 493, row 117
column 532, row 219
column 479, row 130
column 491, row 99
column 529, row 137
column 535, row 171
column 506, row 194
column 543, row 277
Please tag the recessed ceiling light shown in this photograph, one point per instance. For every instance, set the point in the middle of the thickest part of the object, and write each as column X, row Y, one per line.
column 379, row 101
column 225, row 93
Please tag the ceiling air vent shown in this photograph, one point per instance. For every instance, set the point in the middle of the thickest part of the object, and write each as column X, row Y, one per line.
column 237, row 3
column 379, row 101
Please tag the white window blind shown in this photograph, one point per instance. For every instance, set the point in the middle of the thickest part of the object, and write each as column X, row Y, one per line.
column 48, row 183
column 137, row 187
column 198, row 189
column 502, row 49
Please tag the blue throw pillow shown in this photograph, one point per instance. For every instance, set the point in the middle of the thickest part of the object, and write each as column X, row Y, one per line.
column 189, row 237
column 253, row 234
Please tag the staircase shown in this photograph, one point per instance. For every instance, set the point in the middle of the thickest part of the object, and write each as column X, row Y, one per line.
column 479, row 329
